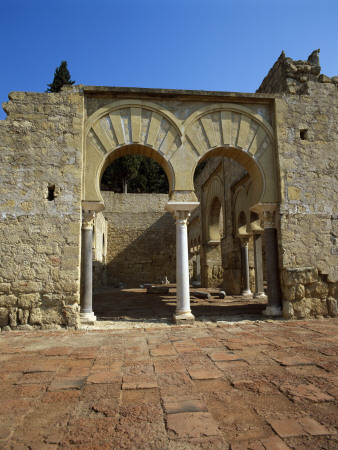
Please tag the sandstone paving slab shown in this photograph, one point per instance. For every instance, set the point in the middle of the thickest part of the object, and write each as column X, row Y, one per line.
column 228, row 366
column 224, row 356
column 92, row 393
column 292, row 361
column 89, row 430
column 58, row 351
column 36, row 378
column 307, row 391
column 163, row 350
column 104, row 376
column 208, row 342
column 169, row 365
column 175, row 405
column 65, row 383
column 205, row 374
column 191, row 425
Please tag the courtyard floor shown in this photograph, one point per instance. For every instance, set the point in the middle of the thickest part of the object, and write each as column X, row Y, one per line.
column 245, row 384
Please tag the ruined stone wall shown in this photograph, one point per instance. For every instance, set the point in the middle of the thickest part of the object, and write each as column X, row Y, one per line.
column 141, row 239
column 291, row 76
column 307, row 128
column 40, row 210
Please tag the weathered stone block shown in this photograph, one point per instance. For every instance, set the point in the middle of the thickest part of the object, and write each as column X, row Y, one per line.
column 299, row 275
column 287, row 310
column 300, row 292
column 71, row 313
column 289, row 293
column 5, row 288
column 23, row 316
column 317, row 290
column 332, row 306
column 35, row 317
column 157, row 290
column 13, row 317
column 3, row 317
column 28, row 301
column 8, row 300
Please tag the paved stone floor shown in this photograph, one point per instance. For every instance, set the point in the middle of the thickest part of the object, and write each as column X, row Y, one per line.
column 215, row 385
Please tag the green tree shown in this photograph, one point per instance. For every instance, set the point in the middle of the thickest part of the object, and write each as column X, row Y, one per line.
column 135, row 174
column 61, row 78
column 121, row 171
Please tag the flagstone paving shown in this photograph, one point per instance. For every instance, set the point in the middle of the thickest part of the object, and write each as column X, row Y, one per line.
column 243, row 385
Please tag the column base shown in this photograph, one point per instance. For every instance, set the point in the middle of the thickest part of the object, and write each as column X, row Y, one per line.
column 87, row 318
column 184, row 318
column 273, row 311
column 246, row 293
column 260, row 295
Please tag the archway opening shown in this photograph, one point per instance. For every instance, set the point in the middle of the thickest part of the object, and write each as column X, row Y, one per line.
column 226, row 180
column 140, row 234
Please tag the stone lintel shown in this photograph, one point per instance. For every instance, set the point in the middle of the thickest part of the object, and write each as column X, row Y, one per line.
column 181, row 206
column 92, row 206
column 263, row 207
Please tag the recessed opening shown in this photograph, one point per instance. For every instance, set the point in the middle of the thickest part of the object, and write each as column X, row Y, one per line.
column 303, row 134
column 51, row 192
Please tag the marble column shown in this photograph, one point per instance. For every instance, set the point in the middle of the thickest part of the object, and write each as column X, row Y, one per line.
column 259, row 288
column 245, row 266
column 86, row 309
column 271, row 249
column 183, row 312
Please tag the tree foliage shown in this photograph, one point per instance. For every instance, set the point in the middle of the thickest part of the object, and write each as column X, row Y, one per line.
column 135, row 174
column 61, row 78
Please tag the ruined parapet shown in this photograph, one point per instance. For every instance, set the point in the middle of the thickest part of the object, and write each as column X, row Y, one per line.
column 292, row 77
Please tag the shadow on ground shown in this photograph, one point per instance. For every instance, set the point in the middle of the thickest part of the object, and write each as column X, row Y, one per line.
column 136, row 304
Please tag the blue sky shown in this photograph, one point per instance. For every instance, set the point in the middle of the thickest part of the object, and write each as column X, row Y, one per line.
column 226, row 45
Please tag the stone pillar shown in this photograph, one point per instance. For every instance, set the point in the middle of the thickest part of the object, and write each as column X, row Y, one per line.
column 245, row 266
column 271, row 249
column 183, row 312
column 86, row 309
column 259, row 288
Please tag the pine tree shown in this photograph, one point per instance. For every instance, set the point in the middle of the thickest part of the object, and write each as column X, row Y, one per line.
column 61, row 78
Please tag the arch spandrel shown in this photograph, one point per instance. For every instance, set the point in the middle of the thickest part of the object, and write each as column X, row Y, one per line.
column 124, row 127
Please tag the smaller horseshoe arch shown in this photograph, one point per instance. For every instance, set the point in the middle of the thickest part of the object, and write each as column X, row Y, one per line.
column 235, row 132
column 122, row 128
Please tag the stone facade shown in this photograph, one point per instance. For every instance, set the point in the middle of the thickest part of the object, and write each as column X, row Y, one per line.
column 55, row 147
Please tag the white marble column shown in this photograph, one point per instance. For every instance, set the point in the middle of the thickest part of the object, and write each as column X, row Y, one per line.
column 181, row 212
column 183, row 312
column 86, row 308
column 245, row 266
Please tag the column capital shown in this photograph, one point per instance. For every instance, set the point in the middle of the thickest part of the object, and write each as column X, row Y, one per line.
column 88, row 219
column 245, row 241
column 181, row 217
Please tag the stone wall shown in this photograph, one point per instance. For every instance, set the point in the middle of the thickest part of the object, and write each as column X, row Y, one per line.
column 40, row 189
column 141, row 239
column 307, row 136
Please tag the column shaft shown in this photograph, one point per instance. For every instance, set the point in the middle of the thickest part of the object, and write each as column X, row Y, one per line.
column 274, row 290
column 245, row 267
column 259, row 288
column 183, row 312
column 86, row 302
